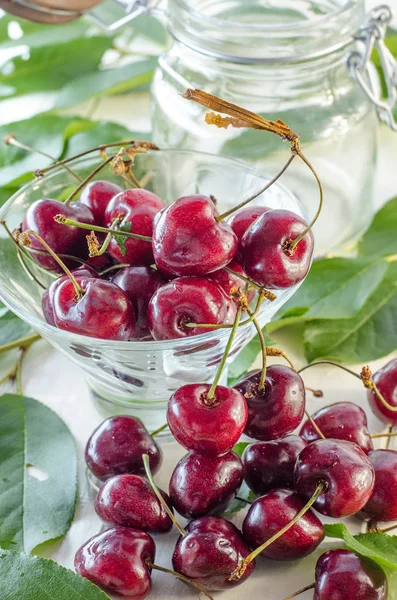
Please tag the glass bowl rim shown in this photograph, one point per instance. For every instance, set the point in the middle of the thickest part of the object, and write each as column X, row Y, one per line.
column 77, row 338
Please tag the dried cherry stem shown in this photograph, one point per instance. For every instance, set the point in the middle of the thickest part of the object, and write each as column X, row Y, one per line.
column 278, row 352
column 159, row 430
column 24, row 240
column 94, row 247
column 365, row 376
column 315, row 426
column 316, row 393
column 146, row 464
column 64, row 221
column 302, row 591
column 24, row 342
column 199, row 587
column 11, row 140
column 266, row 293
column 87, row 180
column 239, row 572
column 262, row 341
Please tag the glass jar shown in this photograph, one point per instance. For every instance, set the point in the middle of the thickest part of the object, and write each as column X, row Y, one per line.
column 285, row 60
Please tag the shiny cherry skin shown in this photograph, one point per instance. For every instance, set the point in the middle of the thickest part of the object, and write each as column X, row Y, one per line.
column 63, row 239
column 382, row 506
column 230, row 282
column 116, row 561
column 138, row 207
column 188, row 300
column 187, row 239
column 273, row 511
column 97, row 195
column 344, row 468
column 223, row 476
column 340, row 421
column 244, row 218
column 341, row 575
column 207, row 427
column 103, row 312
column 270, row 465
column 279, row 408
column 212, row 549
column 117, row 446
column 265, row 253
column 129, row 500
column 386, row 382
column 139, row 283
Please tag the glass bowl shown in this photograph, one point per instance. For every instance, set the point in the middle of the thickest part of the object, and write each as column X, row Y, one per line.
column 138, row 377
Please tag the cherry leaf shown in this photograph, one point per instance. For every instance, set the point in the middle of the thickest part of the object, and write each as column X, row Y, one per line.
column 121, row 239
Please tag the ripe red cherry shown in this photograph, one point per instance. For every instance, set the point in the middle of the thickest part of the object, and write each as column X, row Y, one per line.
column 212, row 549
column 139, row 283
column 386, row 381
column 117, row 446
column 242, row 219
column 207, row 426
column 270, row 465
column 187, row 239
column 97, row 195
column 222, row 475
column 62, row 239
column 188, row 300
column 344, row 468
column 340, row 421
column 382, row 506
column 341, row 574
column 139, row 208
column 103, row 312
column 265, row 253
column 230, row 282
column 279, row 408
column 270, row 513
column 129, row 500
column 116, row 561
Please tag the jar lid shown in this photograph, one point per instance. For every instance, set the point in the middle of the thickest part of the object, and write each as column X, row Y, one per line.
column 48, row 11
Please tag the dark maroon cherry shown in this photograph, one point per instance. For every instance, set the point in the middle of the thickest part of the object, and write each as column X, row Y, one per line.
column 139, row 283
column 97, row 195
column 129, row 500
column 137, row 207
column 188, row 240
column 230, row 282
column 270, row 465
column 202, row 485
column 117, row 446
column 344, row 468
column 62, row 239
column 279, row 408
column 341, row 575
column 340, row 421
column 116, row 561
column 103, row 312
column 382, row 506
column 203, row 425
column 386, row 382
column 265, row 250
column 188, row 300
column 242, row 219
column 101, row 262
column 269, row 514
column 212, row 549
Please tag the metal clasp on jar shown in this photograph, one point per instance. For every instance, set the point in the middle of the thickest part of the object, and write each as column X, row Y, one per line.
column 373, row 36
column 131, row 10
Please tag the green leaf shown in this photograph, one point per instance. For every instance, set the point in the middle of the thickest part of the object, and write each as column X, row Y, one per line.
column 121, row 239
column 11, row 327
column 24, row 577
column 245, row 359
column 35, row 505
column 369, row 335
column 381, row 237
column 380, row 547
column 240, row 447
column 236, row 505
column 149, row 27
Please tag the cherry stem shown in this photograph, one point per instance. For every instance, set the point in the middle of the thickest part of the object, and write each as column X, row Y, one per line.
column 64, row 221
column 263, row 352
column 278, row 352
column 18, row 371
column 159, row 430
column 258, row 193
column 88, row 476
column 199, row 587
column 24, row 342
column 146, row 464
column 388, row 434
column 92, row 240
column 239, row 572
column 388, row 441
column 243, row 500
column 386, row 529
column 266, row 293
column 22, row 239
column 299, row 592
column 316, row 393
column 87, row 180
column 211, row 392
column 11, row 140
column 315, row 426
column 246, row 322
column 26, row 268
column 9, row 375
column 114, row 268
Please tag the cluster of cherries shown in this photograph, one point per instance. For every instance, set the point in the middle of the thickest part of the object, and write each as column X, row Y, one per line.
column 331, row 467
